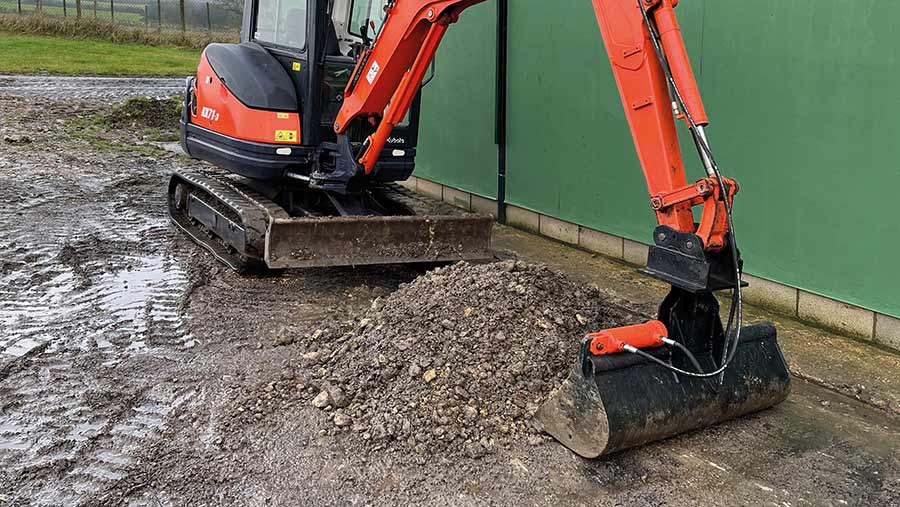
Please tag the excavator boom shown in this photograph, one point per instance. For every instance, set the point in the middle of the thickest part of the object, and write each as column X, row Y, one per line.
column 389, row 74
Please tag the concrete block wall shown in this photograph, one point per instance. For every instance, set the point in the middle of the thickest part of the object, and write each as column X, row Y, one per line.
column 842, row 317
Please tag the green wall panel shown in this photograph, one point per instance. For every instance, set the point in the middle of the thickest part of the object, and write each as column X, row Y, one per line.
column 806, row 113
column 570, row 153
column 457, row 142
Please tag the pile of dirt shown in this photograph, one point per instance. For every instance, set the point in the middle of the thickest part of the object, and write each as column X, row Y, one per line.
column 459, row 360
column 145, row 113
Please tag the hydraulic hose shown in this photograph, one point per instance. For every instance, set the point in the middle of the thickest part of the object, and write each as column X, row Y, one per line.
column 735, row 316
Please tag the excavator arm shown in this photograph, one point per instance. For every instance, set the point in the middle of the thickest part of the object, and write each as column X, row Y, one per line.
column 389, row 74
column 685, row 370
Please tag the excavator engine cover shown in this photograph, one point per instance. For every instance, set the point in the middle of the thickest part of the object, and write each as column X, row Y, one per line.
column 614, row 402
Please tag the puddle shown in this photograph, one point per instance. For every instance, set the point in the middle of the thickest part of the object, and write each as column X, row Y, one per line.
column 84, row 431
column 113, row 457
column 129, row 311
column 22, row 347
column 13, row 444
column 103, row 473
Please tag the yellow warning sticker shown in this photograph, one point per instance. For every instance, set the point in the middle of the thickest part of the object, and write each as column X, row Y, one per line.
column 286, row 135
column 295, row 66
column 283, row 116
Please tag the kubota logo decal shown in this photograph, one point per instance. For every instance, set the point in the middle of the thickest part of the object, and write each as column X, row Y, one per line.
column 396, row 140
column 209, row 113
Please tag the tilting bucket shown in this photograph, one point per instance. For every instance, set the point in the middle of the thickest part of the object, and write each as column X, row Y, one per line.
column 614, row 402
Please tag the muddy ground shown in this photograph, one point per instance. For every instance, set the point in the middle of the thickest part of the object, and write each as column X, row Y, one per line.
column 136, row 371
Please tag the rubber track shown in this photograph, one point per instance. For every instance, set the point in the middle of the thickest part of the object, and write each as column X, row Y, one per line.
column 255, row 212
column 402, row 195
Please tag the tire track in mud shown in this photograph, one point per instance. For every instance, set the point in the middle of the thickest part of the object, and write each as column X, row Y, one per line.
column 60, row 280
column 92, row 292
column 106, row 426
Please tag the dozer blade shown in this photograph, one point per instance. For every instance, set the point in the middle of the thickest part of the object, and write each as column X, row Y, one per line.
column 348, row 241
column 252, row 234
column 615, row 402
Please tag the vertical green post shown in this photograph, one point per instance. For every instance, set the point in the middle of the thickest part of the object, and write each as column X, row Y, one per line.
column 95, row 9
column 77, row 9
column 159, row 15
column 146, row 15
column 20, row 6
column 208, row 19
column 181, row 8
column 65, row 12
column 112, row 10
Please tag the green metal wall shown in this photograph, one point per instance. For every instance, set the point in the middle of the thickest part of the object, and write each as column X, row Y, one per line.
column 457, row 141
column 805, row 113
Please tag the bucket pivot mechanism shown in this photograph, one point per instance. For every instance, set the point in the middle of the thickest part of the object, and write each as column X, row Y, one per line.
column 626, row 390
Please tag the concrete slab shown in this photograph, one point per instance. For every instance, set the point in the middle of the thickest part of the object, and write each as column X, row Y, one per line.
column 601, row 242
column 636, row 253
column 410, row 183
column 523, row 218
column 430, row 188
column 836, row 315
column 559, row 230
column 484, row 206
column 458, row 198
column 887, row 330
column 771, row 294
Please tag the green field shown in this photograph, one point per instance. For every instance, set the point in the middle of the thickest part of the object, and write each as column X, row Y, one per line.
column 28, row 54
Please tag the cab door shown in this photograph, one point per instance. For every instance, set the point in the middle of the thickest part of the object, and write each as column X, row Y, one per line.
column 282, row 28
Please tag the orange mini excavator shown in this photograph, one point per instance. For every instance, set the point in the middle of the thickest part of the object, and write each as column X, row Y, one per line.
column 315, row 114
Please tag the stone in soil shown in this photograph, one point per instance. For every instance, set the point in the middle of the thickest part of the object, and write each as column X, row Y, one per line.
column 459, row 360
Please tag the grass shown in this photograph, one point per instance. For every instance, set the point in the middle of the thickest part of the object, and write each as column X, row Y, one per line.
column 88, row 28
column 136, row 124
column 87, row 10
column 29, row 54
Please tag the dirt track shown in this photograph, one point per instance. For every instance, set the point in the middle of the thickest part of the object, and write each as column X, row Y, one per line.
column 135, row 371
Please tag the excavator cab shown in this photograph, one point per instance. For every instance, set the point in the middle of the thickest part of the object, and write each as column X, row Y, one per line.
column 295, row 59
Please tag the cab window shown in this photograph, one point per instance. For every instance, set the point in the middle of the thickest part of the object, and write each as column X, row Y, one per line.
column 281, row 22
column 367, row 15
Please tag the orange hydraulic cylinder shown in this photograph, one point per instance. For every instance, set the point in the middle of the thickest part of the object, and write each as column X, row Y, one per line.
column 679, row 64
column 641, row 336
column 403, row 97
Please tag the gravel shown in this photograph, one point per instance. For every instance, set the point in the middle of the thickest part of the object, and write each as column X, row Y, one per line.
column 89, row 88
column 459, row 360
